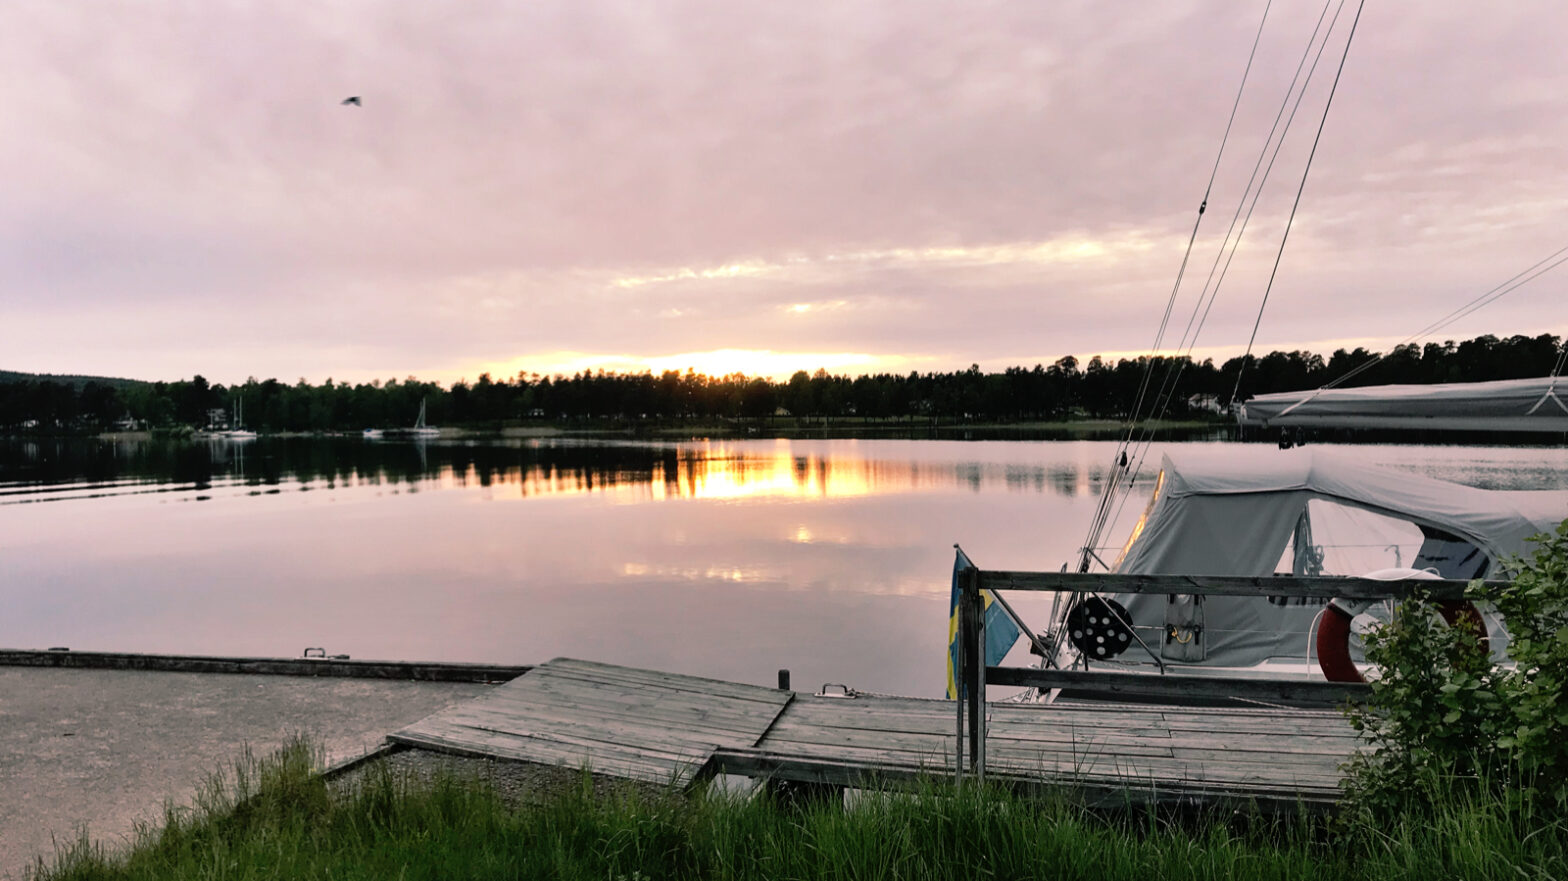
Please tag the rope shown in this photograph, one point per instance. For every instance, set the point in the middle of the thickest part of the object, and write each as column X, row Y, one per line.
column 1242, row 370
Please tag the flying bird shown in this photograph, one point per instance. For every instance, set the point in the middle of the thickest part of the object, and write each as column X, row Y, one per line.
column 352, row 99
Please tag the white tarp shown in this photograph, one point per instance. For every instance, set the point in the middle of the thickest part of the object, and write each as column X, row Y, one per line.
column 1504, row 405
column 1224, row 516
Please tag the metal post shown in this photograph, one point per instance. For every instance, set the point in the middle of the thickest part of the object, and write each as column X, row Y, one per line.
column 783, row 680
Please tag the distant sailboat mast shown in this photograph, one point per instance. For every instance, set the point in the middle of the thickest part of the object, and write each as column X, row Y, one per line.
column 237, row 431
column 420, row 428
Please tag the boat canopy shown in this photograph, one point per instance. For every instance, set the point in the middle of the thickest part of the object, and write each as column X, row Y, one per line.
column 1229, row 516
column 1503, row 405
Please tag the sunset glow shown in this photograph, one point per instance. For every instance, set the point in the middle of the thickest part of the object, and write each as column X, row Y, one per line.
column 719, row 362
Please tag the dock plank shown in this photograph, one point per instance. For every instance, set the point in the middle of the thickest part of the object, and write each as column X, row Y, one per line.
column 1247, row 750
column 568, row 715
column 668, row 728
column 790, row 731
column 674, row 711
column 1062, row 766
column 646, row 725
column 562, row 667
column 532, row 750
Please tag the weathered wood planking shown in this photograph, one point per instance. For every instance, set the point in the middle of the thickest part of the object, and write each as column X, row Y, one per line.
column 1181, row 752
column 650, row 726
column 668, row 729
column 1175, row 686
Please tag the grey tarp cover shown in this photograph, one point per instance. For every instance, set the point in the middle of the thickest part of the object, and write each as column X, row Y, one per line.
column 1505, row 405
column 1224, row 515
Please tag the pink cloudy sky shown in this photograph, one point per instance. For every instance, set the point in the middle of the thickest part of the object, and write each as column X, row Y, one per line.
column 748, row 185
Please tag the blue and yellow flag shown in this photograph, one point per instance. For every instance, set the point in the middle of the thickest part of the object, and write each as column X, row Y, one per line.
column 1000, row 631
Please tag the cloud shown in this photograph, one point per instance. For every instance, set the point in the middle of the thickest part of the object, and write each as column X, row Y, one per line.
column 964, row 181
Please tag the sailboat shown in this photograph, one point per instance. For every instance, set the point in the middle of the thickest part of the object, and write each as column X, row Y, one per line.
column 1227, row 517
column 238, row 431
column 1523, row 405
column 419, row 429
column 1217, row 515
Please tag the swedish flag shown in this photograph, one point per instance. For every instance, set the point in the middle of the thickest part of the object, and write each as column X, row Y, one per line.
column 1000, row 631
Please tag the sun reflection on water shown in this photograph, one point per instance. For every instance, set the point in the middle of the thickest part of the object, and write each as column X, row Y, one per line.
column 725, row 475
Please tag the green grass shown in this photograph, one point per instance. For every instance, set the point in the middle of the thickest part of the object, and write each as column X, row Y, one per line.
column 275, row 819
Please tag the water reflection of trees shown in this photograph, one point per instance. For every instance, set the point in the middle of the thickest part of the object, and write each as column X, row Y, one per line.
column 529, row 468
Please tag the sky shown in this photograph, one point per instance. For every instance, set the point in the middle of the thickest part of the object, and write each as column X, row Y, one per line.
column 859, row 185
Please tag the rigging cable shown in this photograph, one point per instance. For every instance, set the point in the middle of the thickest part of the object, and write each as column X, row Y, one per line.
column 1211, row 285
column 1097, row 522
column 1178, row 365
column 1181, row 271
column 1306, row 52
column 1286, row 237
column 1518, row 280
column 1119, row 464
column 1491, row 296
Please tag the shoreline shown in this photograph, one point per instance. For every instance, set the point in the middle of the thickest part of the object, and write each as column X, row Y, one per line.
column 765, row 428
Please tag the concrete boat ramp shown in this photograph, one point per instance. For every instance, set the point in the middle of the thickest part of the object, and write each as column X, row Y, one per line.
column 666, row 728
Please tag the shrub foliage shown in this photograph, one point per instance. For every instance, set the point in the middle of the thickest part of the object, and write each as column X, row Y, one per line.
column 1443, row 714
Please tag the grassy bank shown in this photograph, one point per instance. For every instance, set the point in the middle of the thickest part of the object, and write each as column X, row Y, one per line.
column 277, row 820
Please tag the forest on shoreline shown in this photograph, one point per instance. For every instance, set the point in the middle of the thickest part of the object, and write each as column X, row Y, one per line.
column 1065, row 390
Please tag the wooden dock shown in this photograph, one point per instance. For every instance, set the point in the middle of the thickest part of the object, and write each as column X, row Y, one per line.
column 672, row 729
column 321, row 665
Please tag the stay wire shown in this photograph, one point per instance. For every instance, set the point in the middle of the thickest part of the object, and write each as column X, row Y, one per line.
column 1242, row 370
column 1208, row 189
column 1496, row 293
column 1263, row 153
column 1211, row 286
column 1098, row 521
column 1178, row 365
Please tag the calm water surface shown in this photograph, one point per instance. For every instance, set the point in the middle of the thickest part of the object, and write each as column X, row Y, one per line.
column 728, row 559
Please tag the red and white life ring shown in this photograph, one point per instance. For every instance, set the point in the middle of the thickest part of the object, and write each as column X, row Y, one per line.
column 1334, row 631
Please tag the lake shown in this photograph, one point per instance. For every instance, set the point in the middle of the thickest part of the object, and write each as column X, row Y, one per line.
column 719, row 558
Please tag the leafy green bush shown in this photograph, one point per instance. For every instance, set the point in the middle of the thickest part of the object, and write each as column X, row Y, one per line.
column 1443, row 715
column 1535, row 695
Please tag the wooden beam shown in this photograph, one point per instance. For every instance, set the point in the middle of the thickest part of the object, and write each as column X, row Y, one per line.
column 1106, row 793
column 972, row 620
column 1320, row 587
column 1299, row 692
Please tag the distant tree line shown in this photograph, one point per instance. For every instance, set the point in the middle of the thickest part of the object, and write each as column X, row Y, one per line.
column 1066, row 389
